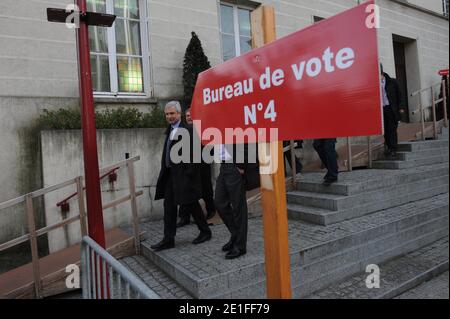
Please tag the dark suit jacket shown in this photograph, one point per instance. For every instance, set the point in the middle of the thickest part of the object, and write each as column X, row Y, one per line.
column 394, row 95
column 250, row 168
column 187, row 187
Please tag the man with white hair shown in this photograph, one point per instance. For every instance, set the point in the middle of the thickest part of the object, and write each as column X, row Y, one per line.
column 179, row 183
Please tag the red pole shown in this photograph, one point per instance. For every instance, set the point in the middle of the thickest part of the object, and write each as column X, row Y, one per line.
column 91, row 169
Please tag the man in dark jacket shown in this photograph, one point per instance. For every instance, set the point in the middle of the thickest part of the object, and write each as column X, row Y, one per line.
column 235, row 178
column 392, row 102
column 179, row 183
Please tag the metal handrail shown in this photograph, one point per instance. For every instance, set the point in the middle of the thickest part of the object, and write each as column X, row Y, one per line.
column 81, row 217
column 65, row 200
column 104, row 277
column 422, row 108
column 425, row 89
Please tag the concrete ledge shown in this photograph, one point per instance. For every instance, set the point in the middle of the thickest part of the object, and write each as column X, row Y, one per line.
column 382, row 164
column 352, row 183
column 419, row 279
column 379, row 200
column 422, row 145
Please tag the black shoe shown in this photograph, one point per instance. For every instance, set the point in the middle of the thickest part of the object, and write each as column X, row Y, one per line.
column 235, row 253
column 182, row 223
column 162, row 245
column 228, row 246
column 202, row 238
column 329, row 181
column 393, row 154
column 210, row 214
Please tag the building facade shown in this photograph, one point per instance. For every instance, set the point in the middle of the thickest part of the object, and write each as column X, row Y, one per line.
column 139, row 61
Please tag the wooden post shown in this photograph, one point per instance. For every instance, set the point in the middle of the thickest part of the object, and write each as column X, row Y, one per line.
column 293, row 166
column 81, row 207
column 433, row 109
column 273, row 185
column 34, row 247
column 444, row 103
column 349, row 154
column 131, row 182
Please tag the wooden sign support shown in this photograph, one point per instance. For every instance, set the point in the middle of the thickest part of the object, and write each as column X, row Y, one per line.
column 273, row 184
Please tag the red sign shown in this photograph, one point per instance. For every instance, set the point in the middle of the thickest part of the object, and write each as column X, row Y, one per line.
column 320, row 82
column 443, row 72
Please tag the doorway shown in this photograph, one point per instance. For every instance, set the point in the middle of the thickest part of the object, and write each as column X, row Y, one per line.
column 407, row 72
column 400, row 71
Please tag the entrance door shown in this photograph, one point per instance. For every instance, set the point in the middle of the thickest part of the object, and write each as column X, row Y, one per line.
column 400, row 70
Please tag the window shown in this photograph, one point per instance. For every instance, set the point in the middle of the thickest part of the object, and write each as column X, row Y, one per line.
column 117, row 53
column 235, row 30
column 445, row 7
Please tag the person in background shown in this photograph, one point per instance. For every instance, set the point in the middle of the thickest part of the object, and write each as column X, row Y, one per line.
column 326, row 149
column 207, row 188
column 392, row 101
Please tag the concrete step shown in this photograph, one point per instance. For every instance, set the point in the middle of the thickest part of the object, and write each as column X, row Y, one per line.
column 319, row 255
column 396, row 276
column 164, row 286
column 324, row 201
column 421, row 145
column 407, row 156
column 444, row 134
column 394, row 164
column 356, row 182
column 340, row 202
column 340, row 208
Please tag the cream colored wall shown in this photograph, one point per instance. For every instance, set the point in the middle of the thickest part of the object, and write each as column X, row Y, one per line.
column 433, row 5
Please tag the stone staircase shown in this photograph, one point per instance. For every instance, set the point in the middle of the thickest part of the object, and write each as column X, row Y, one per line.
column 421, row 170
column 319, row 255
column 368, row 217
column 413, row 154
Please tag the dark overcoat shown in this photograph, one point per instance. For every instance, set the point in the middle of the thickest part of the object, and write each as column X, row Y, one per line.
column 394, row 95
column 186, row 179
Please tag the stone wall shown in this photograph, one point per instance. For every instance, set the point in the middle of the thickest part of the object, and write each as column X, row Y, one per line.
column 62, row 159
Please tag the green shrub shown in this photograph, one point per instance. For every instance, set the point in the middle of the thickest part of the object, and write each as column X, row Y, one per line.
column 121, row 118
column 156, row 118
column 62, row 119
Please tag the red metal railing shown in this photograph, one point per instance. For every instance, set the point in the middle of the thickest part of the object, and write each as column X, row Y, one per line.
column 63, row 204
